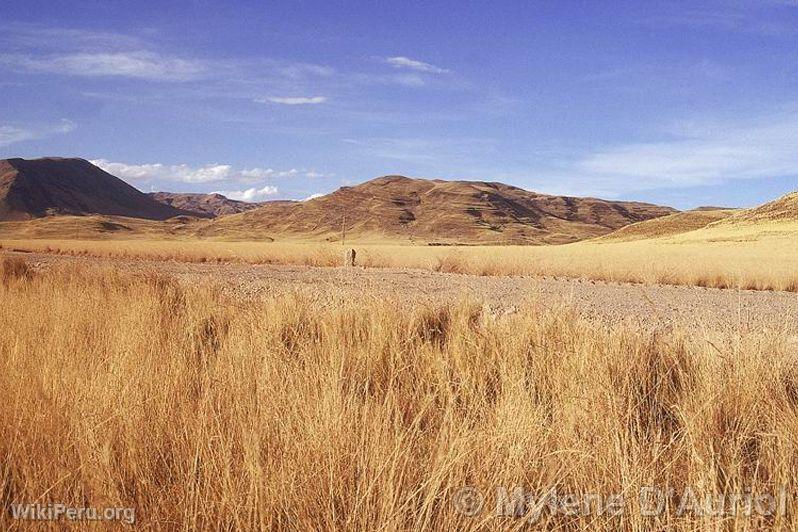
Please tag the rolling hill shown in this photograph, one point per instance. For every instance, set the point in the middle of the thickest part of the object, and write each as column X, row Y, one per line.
column 40, row 187
column 434, row 211
column 783, row 209
column 773, row 224
column 670, row 225
column 203, row 205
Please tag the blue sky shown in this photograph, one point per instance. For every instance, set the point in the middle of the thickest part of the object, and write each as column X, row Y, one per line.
column 680, row 103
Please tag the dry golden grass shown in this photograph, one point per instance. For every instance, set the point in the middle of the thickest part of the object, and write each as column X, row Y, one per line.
column 205, row 414
column 755, row 256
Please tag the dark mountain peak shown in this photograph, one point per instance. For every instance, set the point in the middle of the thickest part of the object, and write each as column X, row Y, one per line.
column 31, row 188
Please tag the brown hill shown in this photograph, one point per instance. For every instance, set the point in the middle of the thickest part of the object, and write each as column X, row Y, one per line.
column 397, row 207
column 38, row 187
column 672, row 224
column 204, row 205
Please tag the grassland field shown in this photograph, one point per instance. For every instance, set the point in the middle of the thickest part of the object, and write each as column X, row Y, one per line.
column 133, row 390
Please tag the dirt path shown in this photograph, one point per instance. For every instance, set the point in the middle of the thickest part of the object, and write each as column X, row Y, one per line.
column 649, row 306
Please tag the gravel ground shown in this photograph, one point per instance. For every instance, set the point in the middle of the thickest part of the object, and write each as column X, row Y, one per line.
column 644, row 306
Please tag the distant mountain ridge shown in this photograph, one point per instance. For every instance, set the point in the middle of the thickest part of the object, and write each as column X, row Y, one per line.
column 53, row 185
column 386, row 208
column 398, row 207
column 204, row 205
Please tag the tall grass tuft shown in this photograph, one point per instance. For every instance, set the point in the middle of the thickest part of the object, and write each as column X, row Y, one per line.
column 13, row 269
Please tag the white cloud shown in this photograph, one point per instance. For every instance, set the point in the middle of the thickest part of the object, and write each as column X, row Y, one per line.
column 250, row 194
column 13, row 134
column 204, row 174
column 413, row 64
column 177, row 172
column 132, row 64
column 313, row 196
column 184, row 173
column 293, row 100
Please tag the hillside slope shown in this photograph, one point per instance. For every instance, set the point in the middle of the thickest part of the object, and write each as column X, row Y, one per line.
column 39, row 187
column 397, row 207
column 783, row 209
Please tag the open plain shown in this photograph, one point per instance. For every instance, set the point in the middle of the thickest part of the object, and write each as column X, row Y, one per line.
column 640, row 305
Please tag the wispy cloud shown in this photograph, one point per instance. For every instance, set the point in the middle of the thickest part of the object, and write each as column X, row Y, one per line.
column 749, row 150
column 413, row 64
column 77, row 52
column 250, row 194
column 304, row 70
column 10, row 134
column 44, row 50
column 17, row 35
column 136, row 64
column 408, row 80
column 757, row 17
column 293, row 100
column 698, row 154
